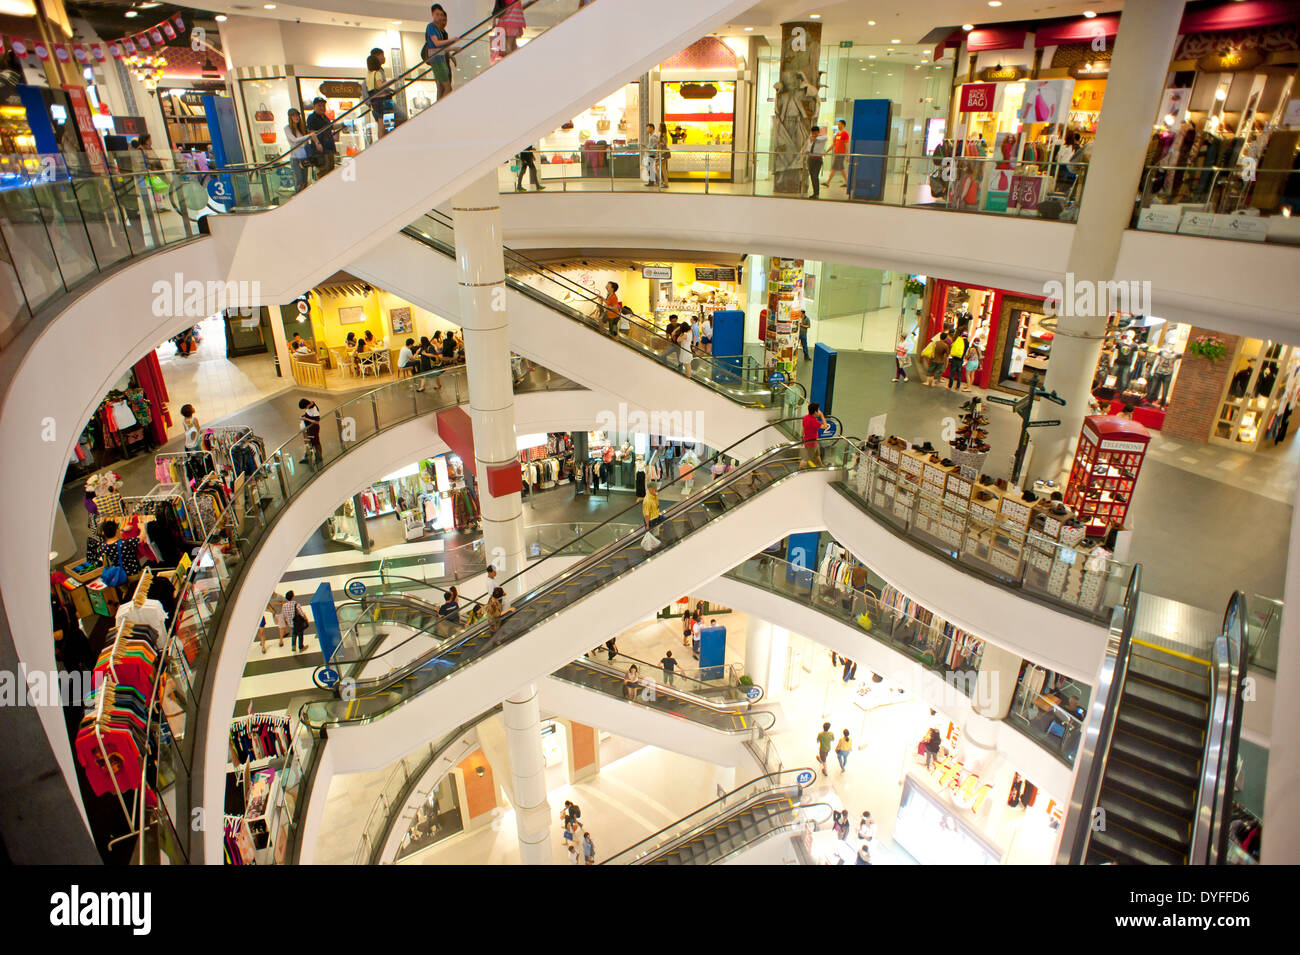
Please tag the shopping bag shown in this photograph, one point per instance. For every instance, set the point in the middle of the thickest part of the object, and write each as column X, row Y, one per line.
column 645, row 169
column 649, row 542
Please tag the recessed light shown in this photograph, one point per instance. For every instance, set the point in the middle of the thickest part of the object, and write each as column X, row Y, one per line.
column 397, row 23
column 968, row 27
column 895, row 41
column 268, row 6
column 871, row 56
column 749, row 29
column 814, row 16
column 995, row 3
column 1089, row 13
column 130, row 14
column 221, row 18
column 871, row 23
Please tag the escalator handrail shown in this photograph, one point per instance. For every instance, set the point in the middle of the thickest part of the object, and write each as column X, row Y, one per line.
column 1219, row 756
column 641, row 664
column 574, row 288
column 661, row 689
column 1094, row 751
column 599, row 554
column 714, row 812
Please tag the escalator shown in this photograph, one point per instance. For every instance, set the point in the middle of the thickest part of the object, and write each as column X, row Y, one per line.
column 738, row 820
column 1158, row 787
column 472, row 655
column 547, row 309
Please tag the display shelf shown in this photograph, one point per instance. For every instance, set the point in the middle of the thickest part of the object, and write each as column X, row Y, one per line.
column 1104, row 475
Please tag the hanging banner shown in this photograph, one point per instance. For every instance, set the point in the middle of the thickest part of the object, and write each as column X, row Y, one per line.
column 168, row 30
column 86, row 127
column 62, row 53
column 19, row 47
column 156, row 35
column 98, row 50
column 142, row 41
column 180, row 22
column 1046, row 101
column 80, row 53
column 115, row 49
column 978, row 98
column 42, row 51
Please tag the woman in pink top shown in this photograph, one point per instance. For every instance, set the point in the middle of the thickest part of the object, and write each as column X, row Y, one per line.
column 509, row 28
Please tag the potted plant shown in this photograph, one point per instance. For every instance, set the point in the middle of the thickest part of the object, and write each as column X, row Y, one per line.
column 1208, row 347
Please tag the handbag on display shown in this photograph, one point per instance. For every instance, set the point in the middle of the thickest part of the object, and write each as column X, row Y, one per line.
column 263, row 115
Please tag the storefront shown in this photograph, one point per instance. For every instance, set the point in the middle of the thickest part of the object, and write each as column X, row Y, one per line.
column 1258, row 395
column 187, row 77
column 594, row 143
column 704, row 100
column 437, row 818
column 1015, row 345
column 420, row 501
column 1139, row 367
column 694, row 291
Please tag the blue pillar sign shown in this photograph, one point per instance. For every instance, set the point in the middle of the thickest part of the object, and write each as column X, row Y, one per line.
column 326, row 618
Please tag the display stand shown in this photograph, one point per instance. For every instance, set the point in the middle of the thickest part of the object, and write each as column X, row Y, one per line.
column 1105, row 471
column 785, row 311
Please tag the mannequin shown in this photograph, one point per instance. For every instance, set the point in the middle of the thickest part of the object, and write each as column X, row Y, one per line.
column 1125, row 354
column 1162, row 372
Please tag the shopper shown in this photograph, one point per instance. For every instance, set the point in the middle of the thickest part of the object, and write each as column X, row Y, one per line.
column 956, row 363
column 684, row 355
column 688, row 618
column 509, row 28
column 900, row 356
column 309, row 415
column 866, row 827
column 193, row 430
column 574, row 858
column 527, row 159
column 611, row 649
column 612, row 308
column 631, row 682
column 664, row 155
column 650, row 161
column 816, row 153
column 825, row 740
column 300, row 624
column 437, row 52
column 449, row 609
column 496, row 608
column 695, row 332
column 842, row 824
column 850, row 669
column 301, row 147
column 706, row 335
column 407, row 361
column 842, row 750
column 379, row 89
column 932, row 743
column 588, row 849
column 864, row 855
column 321, row 128
column 669, row 665
column 650, row 508
column 805, row 326
column 286, row 618
column 840, row 145
column 940, row 361
column 813, row 422
column 974, row 354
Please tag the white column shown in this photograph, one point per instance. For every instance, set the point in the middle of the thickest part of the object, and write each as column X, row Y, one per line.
column 286, row 312
column 1282, row 789
column 758, row 653
column 528, row 776
column 480, row 266
column 1138, row 69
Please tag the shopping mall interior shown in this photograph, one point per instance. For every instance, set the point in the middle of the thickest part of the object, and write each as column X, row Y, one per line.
column 627, row 569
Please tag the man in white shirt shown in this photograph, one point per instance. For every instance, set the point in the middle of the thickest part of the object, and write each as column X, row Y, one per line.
column 816, row 156
column 406, row 359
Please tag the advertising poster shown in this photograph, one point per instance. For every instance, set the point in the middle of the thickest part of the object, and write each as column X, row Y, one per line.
column 1046, row 101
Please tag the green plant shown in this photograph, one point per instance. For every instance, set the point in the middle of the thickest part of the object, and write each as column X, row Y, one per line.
column 914, row 287
column 1208, row 347
column 746, row 681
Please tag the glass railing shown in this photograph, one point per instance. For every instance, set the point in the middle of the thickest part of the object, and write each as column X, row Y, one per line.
column 618, row 557
column 59, row 233
column 1049, row 719
column 718, row 684
column 968, row 524
column 397, row 788
column 963, row 184
column 1263, row 626
column 216, row 573
column 788, row 783
column 735, row 377
column 930, row 642
column 1245, row 202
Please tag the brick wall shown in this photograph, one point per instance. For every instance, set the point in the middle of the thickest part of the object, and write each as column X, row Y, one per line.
column 1194, row 401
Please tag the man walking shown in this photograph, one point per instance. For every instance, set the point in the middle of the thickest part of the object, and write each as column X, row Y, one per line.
column 321, row 127
column 813, row 422
column 669, row 666
column 840, row 146
column 825, row 740
column 816, row 156
column 528, row 162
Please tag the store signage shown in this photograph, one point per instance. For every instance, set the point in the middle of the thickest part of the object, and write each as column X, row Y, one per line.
column 1122, row 445
column 356, row 589
column 656, row 271
column 327, row 676
column 1088, row 434
column 1229, row 61
column 341, row 89
column 805, row 777
column 715, row 275
column 777, row 378
column 1043, row 424
column 753, row 694
column 846, row 44
column 1248, row 228
column 1196, row 223
column 1024, row 192
column 1091, row 70
column 86, row 127
column 128, row 125
column 1002, row 74
column 978, row 98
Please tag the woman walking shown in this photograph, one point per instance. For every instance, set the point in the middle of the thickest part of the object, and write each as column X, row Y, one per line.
column 974, row 354
column 842, row 750
column 380, row 91
column 509, row 28
column 663, row 156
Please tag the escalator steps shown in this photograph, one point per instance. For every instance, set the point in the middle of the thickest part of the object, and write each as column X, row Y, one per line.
column 1170, row 671
column 1175, row 734
column 1175, row 705
column 1149, row 784
column 1124, row 847
column 1145, row 818
column 1173, row 764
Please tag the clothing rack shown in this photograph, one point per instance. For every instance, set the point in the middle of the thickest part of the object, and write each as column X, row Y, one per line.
column 258, row 736
column 238, row 841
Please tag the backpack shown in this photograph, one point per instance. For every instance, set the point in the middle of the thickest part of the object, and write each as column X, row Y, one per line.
column 114, row 575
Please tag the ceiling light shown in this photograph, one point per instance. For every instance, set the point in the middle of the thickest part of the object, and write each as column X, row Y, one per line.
column 397, row 23
column 871, row 56
column 749, row 29
column 968, row 27
column 268, row 6
column 1089, row 13
column 221, row 18
column 130, row 13
column 814, row 16
column 1220, row 93
column 871, row 23
column 995, row 3
column 895, row 41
